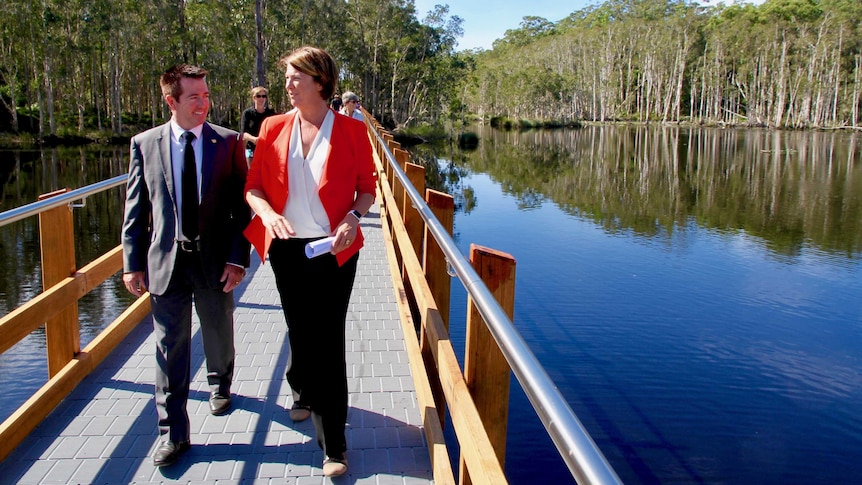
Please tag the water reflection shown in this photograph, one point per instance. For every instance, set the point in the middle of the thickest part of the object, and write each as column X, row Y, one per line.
column 791, row 189
column 694, row 294
column 24, row 176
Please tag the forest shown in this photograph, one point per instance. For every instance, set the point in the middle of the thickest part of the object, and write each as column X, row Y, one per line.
column 77, row 67
column 781, row 64
column 74, row 66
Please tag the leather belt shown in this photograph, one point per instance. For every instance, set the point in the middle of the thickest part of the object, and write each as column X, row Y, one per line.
column 189, row 246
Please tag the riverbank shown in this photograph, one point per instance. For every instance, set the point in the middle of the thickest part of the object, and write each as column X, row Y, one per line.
column 30, row 141
column 415, row 135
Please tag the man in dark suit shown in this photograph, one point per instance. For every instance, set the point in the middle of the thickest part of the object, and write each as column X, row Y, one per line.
column 182, row 242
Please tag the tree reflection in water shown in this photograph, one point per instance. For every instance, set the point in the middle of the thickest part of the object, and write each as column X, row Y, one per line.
column 788, row 188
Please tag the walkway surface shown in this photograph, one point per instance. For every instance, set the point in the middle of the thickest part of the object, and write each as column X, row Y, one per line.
column 105, row 431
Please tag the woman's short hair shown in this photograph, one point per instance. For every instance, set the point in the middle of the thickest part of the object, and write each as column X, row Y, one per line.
column 317, row 63
column 349, row 96
column 257, row 90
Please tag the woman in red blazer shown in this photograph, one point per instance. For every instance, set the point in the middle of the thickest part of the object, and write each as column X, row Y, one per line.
column 313, row 177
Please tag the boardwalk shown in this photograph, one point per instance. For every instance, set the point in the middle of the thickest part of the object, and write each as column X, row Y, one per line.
column 105, row 431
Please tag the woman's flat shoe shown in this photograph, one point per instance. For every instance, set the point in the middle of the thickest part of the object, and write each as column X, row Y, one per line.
column 298, row 412
column 334, row 467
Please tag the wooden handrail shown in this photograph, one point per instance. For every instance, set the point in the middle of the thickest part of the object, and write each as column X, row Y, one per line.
column 574, row 444
column 18, row 323
column 408, row 251
column 68, row 365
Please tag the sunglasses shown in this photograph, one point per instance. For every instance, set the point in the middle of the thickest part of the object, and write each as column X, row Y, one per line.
column 260, row 96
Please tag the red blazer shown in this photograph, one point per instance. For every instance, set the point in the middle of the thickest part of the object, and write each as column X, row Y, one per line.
column 347, row 173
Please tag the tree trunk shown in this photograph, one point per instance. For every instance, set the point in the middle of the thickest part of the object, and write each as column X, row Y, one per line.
column 260, row 54
column 781, row 84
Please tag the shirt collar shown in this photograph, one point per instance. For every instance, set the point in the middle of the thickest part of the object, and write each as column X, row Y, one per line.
column 178, row 132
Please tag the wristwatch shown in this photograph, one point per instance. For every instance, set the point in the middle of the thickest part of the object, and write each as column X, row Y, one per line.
column 355, row 213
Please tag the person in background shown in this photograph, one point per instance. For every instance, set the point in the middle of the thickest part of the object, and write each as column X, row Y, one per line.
column 350, row 107
column 329, row 185
column 253, row 117
column 335, row 104
column 182, row 241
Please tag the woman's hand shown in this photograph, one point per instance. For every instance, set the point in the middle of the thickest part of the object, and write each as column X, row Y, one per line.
column 345, row 235
column 277, row 226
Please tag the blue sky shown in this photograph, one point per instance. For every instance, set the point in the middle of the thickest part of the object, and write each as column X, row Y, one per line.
column 488, row 20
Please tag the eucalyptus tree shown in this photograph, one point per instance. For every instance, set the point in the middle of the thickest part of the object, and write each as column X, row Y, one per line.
column 13, row 55
column 433, row 70
column 403, row 68
column 218, row 40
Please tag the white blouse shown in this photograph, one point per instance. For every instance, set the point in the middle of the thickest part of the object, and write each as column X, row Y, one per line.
column 304, row 210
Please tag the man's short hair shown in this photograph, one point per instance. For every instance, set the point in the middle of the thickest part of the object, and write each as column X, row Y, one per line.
column 170, row 80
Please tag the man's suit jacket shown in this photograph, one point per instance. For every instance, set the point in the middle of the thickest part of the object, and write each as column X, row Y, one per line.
column 149, row 231
column 348, row 171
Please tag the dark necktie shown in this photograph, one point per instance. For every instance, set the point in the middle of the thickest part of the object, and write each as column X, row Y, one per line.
column 190, row 189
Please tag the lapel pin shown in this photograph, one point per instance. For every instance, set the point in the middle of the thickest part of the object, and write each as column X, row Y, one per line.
column 214, row 140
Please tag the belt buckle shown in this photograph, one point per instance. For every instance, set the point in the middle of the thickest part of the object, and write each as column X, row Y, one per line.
column 188, row 246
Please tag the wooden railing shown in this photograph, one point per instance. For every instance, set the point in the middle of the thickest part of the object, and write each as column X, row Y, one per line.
column 56, row 308
column 417, row 226
column 478, row 407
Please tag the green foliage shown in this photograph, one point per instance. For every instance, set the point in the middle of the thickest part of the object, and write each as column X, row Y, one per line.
column 17, row 140
column 503, row 123
column 468, row 140
column 792, row 10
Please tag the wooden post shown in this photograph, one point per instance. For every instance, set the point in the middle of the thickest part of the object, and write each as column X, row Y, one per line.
column 485, row 369
column 402, row 157
column 412, row 220
column 387, row 138
column 413, row 225
column 442, row 205
column 434, row 263
column 57, row 239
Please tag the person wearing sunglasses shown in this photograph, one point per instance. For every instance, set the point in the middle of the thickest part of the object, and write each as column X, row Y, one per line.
column 253, row 117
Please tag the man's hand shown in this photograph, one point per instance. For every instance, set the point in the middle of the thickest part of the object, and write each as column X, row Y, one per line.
column 231, row 276
column 135, row 282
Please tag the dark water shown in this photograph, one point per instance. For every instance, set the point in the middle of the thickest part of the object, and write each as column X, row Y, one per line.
column 24, row 175
column 694, row 294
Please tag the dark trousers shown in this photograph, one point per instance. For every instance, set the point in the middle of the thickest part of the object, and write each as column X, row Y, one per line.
column 315, row 294
column 172, row 321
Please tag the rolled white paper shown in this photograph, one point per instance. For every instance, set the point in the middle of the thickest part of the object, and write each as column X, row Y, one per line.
column 316, row 248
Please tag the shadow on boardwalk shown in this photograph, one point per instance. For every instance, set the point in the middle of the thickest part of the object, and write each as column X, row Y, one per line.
column 105, row 431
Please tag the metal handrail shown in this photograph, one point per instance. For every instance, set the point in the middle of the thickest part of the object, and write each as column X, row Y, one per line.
column 34, row 208
column 586, row 462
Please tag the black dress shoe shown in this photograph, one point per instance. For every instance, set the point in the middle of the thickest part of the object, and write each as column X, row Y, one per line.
column 219, row 404
column 168, row 452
